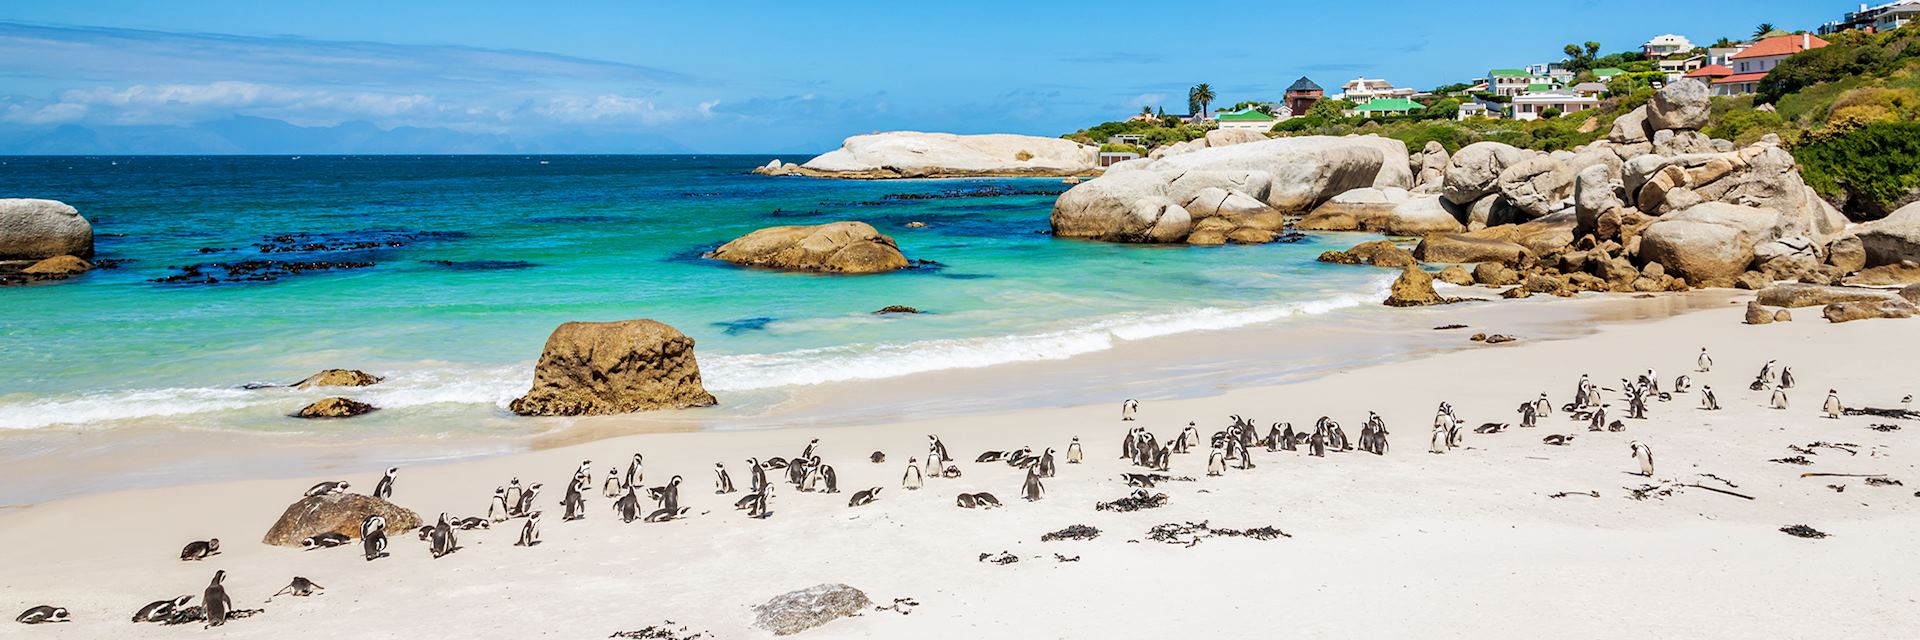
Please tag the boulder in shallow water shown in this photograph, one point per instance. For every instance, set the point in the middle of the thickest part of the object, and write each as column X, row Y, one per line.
column 798, row 611
column 1414, row 288
column 33, row 229
column 339, row 378
column 898, row 308
column 58, row 267
column 602, row 368
column 835, row 247
column 1378, row 253
column 335, row 408
column 339, row 513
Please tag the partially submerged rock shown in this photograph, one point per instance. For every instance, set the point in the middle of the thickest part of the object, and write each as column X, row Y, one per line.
column 339, row 513
column 601, row 368
column 836, row 247
column 1378, row 253
column 58, row 267
column 798, row 611
column 1414, row 288
column 335, row 408
column 338, row 378
column 34, row 229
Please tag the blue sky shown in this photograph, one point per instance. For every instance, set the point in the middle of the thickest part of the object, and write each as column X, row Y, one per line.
column 433, row 76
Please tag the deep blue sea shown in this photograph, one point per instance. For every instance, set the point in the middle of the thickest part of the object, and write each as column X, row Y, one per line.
column 460, row 266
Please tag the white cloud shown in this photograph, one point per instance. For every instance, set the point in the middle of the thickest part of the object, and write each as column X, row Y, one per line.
column 1148, row 100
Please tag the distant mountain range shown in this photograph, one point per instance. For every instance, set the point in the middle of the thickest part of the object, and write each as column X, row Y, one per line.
column 242, row 135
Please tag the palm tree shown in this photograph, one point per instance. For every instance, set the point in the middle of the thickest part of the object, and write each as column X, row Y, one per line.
column 1762, row 30
column 1200, row 95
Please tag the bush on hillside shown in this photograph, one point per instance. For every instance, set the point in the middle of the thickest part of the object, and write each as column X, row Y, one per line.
column 1869, row 170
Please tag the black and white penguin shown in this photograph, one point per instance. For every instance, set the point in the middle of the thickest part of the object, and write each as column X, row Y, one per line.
column 1288, row 440
column 636, row 471
column 669, row 496
column 1682, row 384
column 200, row 549
column 1599, row 420
column 1707, row 399
column 828, row 477
column 722, row 483
column 1779, row 398
column 1438, row 444
column 326, row 540
column 1653, row 381
column 1541, row 407
column 43, row 614
column 498, row 511
column 986, row 500
column 373, row 537
column 574, row 503
column 1529, row 417
column 1317, row 444
column 1128, row 408
column 965, row 501
column 938, row 452
column 529, row 532
column 1786, row 377
column 627, row 507
column 912, row 480
column 327, row 488
column 384, row 488
column 513, row 496
column 757, row 504
column 797, row 470
column 1128, row 444
column 612, row 488
column 1074, row 454
column 298, row 588
column 1644, row 455
column 951, row 471
column 1046, row 464
column 1031, row 489
column 527, row 497
column 1189, row 438
column 1217, row 461
column 1020, row 457
column 1704, row 362
column 864, row 497
column 990, row 456
column 756, row 476
column 161, row 609
column 214, row 600
column 807, row 453
column 443, row 538
column 469, row 524
column 1832, row 407
column 664, row 515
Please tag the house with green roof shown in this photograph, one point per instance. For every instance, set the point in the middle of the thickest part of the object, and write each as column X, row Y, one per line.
column 1607, row 73
column 1251, row 119
column 1508, row 82
column 1386, row 107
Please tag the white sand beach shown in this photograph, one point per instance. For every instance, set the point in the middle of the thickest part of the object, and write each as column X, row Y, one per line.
column 1409, row 544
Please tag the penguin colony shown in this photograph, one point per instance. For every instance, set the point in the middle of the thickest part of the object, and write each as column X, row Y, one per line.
column 1228, row 449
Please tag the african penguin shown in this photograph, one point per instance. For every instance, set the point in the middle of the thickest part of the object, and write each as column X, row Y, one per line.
column 498, row 511
column 373, row 537
column 864, row 497
column 1644, row 455
column 612, row 488
column 43, row 614
column 327, row 488
column 215, row 602
column 529, row 532
column 1832, row 406
column 1780, row 398
column 663, row 515
column 384, row 489
column 1128, row 408
column 722, row 484
column 161, row 610
column 911, row 480
column 299, row 588
column 200, row 549
column 1707, row 400
column 1031, row 489
column 1705, row 362
column 1073, row 451
column 326, row 540
column 443, row 538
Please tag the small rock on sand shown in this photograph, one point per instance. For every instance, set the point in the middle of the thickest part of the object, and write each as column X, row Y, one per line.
column 798, row 611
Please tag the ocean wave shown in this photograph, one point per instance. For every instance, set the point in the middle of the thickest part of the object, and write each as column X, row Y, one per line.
column 887, row 360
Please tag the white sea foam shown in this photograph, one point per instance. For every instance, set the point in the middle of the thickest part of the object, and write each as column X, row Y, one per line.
column 877, row 361
column 498, row 385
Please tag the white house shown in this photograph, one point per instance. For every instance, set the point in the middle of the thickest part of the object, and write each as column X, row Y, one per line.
column 1530, row 106
column 1509, row 82
column 1878, row 18
column 1665, row 45
column 1364, row 90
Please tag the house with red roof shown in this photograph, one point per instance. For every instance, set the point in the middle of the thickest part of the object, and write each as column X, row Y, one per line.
column 1756, row 61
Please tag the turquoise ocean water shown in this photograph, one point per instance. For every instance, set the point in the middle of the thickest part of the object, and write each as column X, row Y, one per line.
column 476, row 259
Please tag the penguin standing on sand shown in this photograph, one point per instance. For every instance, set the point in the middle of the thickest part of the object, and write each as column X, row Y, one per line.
column 1705, row 362
column 529, row 532
column 214, row 600
column 668, row 497
column 1073, row 451
column 1766, row 372
column 1317, row 445
column 636, row 471
column 443, row 538
column 497, row 511
column 384, row 489
column 912, row 480
column 722, row 484
column 1682, row 384
column 526, row 498
column 612, row 487
column 1032, row 490
column 1541, row 407
column 1832, row 406
column 1707, row 400
column 807, row 453
column 1438, row 444
column 1653, row 382
column 1217, row 462
column 1046, row 465
column 1643, row 455
column 373, row 537
column 937, row 452
column 1288, row 441
column 1128, row 408
column 574, row 504
column 1780, row 397
column 1786, row 377
column 1528, row 417
column 1599, row 420
column 756, row 476
column 513, row 495
column 628, row 506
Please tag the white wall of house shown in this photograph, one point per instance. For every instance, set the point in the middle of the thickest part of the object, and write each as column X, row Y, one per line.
column 1761, row 64
column 1252, row 125
column 1529, row 107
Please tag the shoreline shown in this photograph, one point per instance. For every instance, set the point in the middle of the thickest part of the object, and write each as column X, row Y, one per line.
column 67, row 462
column 1467, row 543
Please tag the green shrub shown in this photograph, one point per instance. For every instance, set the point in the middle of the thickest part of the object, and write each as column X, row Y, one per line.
column 1870, row 170
column 1115, row 147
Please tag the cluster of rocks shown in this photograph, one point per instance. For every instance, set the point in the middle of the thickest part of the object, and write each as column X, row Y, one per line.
column 42, row 240
column 913, row 154
column 336, row 407
column 1232, row 193
column 1656, row 206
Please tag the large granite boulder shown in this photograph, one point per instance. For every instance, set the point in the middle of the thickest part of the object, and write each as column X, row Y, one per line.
column 600, row 368
column 1849, row 311
column 1230, row 137
column 1887, row 275
column 1306, row 171
column 1893, row 239
column 1537, row 186
column 1414, row 288
column 335, row 407
column 835, row 247
column 1794, row 295
column 1594, row 193
column 338, row 378
column 1686, row 104
column 339, row 513
column 1456, row 248
column 1128, row 206
column 1378, row 253
column 1422, row 215
column 798, row 611
column 1631, row 128
column 1542, row 236
column 1432, row 170
column 32, row 229
column 1847, row 253
column 913, row 154
column 1475, row 170
column 1709, row 244
column 1367, row 208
